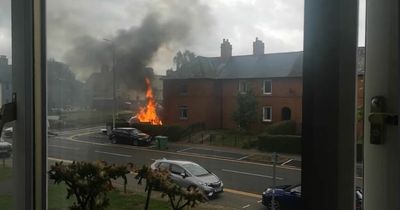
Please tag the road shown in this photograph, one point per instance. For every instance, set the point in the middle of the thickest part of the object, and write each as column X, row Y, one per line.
column 244, row 181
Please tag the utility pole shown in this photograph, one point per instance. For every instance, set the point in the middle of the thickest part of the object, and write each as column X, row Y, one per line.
column 114, row 107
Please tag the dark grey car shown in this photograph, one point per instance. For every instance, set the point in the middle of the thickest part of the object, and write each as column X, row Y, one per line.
column 189, row 174
column 130, row 136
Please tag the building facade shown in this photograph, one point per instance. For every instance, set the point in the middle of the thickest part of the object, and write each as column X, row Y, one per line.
column 205, row 90
column 5, row 80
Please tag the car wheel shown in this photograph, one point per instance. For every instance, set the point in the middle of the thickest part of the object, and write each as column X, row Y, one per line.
column 135, row 142
column 277, row 206
column 113, row 140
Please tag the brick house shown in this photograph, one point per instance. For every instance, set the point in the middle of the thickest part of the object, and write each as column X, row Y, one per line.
column 205, row 90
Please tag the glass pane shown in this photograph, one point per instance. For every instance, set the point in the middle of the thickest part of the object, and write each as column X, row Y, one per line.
column 6, row 140
column 359, row 179
column 216, row 83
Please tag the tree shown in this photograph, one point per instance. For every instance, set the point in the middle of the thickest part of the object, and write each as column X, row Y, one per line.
column 181, row 59
column 246, row 113
column 88, row 182
column 160, row 179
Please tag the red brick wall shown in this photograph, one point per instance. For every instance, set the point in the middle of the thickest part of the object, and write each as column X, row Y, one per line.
column 286, row 92
column 202, row 100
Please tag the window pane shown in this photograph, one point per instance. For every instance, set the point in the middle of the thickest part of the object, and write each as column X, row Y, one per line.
column 195, row 77
column 6, row 140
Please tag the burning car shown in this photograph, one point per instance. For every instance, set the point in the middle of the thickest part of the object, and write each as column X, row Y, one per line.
column 131, row 136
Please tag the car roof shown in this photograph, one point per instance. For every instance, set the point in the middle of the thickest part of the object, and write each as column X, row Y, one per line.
column 126, row 128
column 178, row 162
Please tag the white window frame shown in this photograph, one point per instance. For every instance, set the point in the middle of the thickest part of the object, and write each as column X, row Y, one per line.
column 264, row 91
column 245, row 84
column 181, row 108
column 263, row 114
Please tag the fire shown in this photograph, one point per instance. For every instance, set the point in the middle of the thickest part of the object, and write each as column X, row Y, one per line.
column 148, row 113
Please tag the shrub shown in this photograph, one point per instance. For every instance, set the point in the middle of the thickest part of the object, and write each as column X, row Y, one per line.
column 280, row 143
column 88, row 182
column 282, row 128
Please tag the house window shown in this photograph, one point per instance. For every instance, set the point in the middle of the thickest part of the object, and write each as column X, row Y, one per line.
column 267, row 114
column 267, row 87
column 286, row 113
column 183, row 112
column 243, row 86
column 183, row 89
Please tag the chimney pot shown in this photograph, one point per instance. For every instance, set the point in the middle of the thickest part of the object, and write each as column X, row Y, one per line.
column 226, row 49
column 258, row 47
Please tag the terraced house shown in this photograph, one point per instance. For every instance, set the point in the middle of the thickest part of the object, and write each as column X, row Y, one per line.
column 205, row 90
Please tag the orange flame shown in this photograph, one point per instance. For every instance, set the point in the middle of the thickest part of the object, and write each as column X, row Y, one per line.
column 149, row 113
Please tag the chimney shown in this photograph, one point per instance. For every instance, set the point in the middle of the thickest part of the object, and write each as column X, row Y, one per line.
column 226, row 49
column 3, row 60
column 258, row 47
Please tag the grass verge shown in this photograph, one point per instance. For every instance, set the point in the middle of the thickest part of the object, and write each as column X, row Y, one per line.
column 118, row 200
column 5, row 173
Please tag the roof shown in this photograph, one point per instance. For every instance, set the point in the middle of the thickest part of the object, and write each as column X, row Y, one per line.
column 178, row 162
column 274, row 65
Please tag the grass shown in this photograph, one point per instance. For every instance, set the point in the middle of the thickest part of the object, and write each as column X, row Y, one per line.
column 6, row 201
column 5, row 172
column 230, row 138
column 118, row 200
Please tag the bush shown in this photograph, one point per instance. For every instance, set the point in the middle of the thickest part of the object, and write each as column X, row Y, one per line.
column 282, row 128
column 280, row 143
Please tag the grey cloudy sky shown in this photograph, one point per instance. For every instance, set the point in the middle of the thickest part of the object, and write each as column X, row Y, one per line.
column 279, row 23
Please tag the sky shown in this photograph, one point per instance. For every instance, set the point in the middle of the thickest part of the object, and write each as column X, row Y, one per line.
column 278, row 23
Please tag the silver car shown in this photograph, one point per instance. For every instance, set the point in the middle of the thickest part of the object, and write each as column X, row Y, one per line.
column 189, row 174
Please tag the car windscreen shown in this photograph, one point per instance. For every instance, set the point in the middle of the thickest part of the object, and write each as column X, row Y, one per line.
column 195, row 170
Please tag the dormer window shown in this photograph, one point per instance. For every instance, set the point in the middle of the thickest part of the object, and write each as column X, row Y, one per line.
column 267, row 87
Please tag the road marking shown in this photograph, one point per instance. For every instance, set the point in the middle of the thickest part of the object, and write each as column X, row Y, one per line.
column 259, row 201
column 181, row 154
column 238, row 192
column 64, row 147
column 286, row 162
column 251, row 174
column 182, row 150
column 244, row 157
column 246, row 206
column 111, row 153
column 59, row 160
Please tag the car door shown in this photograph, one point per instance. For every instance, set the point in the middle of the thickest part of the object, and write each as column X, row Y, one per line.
column 294, row 202
column 176, row 175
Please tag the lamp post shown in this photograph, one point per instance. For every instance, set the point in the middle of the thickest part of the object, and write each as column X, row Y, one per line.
column 114, row 82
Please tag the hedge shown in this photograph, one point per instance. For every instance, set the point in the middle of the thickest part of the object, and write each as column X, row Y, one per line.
column 282, row 128
column 280, row 143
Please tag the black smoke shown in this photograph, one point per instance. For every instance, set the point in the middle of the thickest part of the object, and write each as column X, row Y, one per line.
column 168, row 23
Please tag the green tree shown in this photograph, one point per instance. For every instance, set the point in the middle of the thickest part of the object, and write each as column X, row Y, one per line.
column 246, row 113
column 160, row 179
column 88, row 182
column 181, row 59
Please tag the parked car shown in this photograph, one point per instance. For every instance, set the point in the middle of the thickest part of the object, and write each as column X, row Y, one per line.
column 130, row 136
column 8, row 132
column 5, row 149
column 289, row 197
column 191, row 175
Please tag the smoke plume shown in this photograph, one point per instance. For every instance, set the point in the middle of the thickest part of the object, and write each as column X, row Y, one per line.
column 166, row 24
